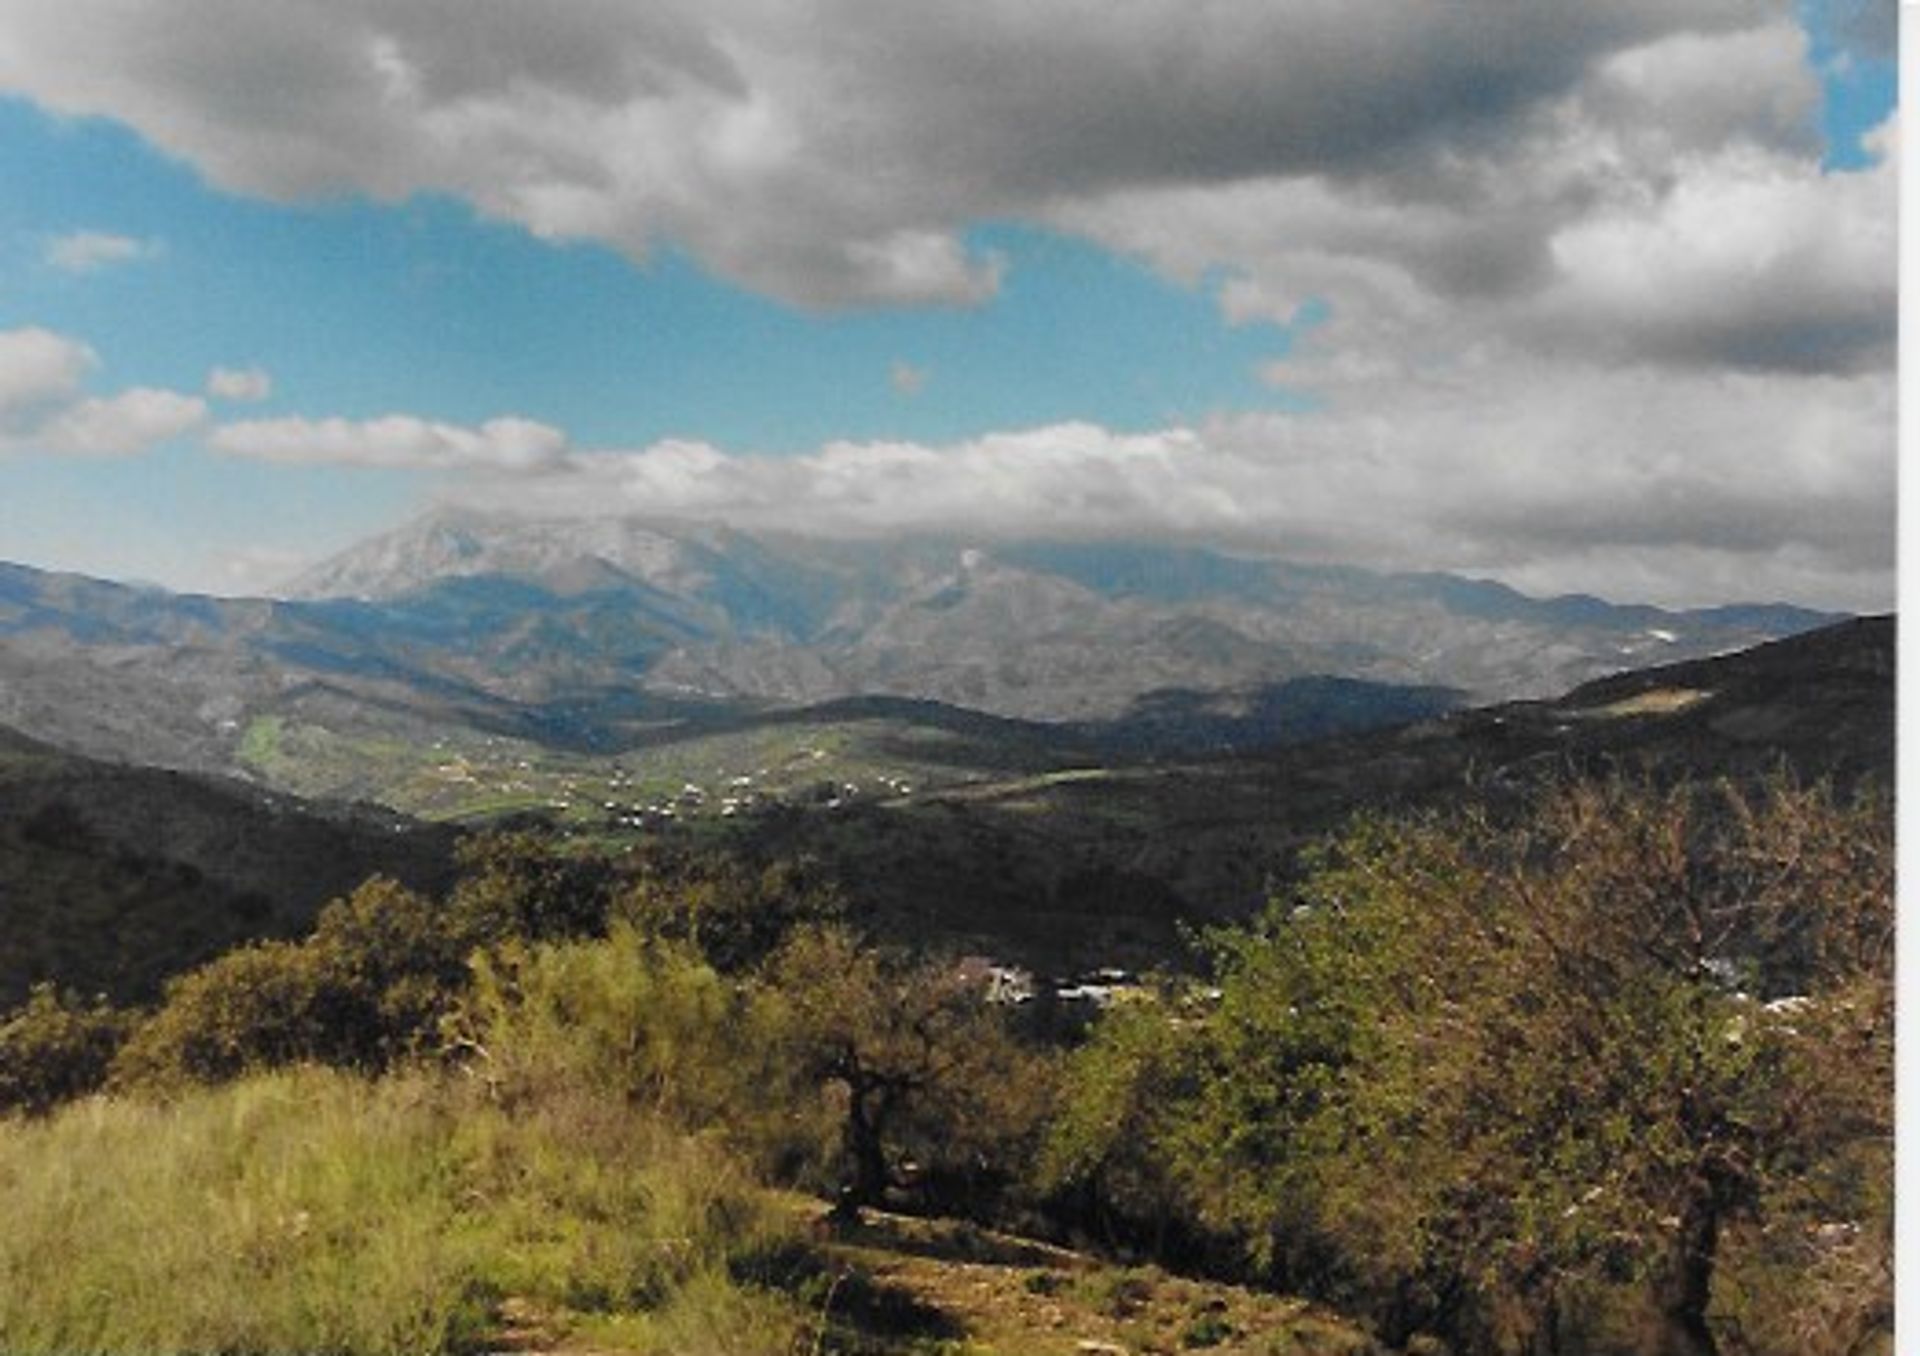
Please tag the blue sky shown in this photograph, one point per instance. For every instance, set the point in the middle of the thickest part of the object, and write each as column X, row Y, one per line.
column 1270, row 331
column 358, row 309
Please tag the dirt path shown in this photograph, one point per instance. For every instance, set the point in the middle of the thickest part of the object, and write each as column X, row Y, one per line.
column 986, row 1294
column 899, row 1285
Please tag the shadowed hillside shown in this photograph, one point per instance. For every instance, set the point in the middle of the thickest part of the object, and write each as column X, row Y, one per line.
column 1104, row 863
column 113, row 877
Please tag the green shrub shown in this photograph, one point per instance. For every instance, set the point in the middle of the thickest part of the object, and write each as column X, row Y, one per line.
column 734, row 914
column 525, row 885
column 370, row 985
column 642, row 1019
column 53, row 1049
column 258, row 1006
column 1207, row 1330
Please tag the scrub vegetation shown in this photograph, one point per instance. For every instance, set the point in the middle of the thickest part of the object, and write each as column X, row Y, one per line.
column 1603, row 1070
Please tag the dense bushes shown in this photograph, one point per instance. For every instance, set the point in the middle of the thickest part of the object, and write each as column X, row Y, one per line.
column 374, row 979
column 366, row 987
column 1535, row 1084
column 54, row 1049
column 734, row 913
column 834, row 1064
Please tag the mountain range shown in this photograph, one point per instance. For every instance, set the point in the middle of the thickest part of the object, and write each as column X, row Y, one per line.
column 602, row 634
column 1118, row 862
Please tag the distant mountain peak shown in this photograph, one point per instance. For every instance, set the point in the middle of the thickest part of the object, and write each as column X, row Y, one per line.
column 524, row 607
column 453, row 542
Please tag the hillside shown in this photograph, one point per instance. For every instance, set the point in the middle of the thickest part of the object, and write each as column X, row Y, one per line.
column 1060, row 845
column 113, row 877
column 1101, row 864
column 622, row 1138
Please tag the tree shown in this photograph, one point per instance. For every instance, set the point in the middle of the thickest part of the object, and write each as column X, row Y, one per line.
column 734, row 913
column 1107, row 1158
column 924, row 1066
column 1477, row 1072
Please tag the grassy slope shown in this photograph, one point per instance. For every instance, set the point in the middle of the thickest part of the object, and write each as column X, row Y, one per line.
column 312, row 1211
column 315, row 1212
column 466, row 776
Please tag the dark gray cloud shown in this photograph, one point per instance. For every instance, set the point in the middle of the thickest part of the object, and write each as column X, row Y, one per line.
column 829, row 151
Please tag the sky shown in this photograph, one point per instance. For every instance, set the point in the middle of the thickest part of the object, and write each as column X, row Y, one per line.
column 1580, row 297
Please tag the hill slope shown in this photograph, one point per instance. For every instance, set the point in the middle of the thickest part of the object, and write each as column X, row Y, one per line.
column 113, row 877
column 1027, row 841
column 1103, row 863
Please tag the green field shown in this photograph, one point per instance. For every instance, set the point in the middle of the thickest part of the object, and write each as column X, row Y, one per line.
column 468, row 777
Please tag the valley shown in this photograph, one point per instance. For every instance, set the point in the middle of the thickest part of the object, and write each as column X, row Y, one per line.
column 458, row 695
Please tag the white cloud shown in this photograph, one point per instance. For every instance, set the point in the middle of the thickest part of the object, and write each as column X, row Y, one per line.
column 91, row 251
column 119, row 425
column 244, row 384
column 38, row 369
column 396, row 441
column 1673, row 486
column 44, row 408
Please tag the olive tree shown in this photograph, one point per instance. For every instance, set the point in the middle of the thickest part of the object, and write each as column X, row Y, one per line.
column 1477, row 1072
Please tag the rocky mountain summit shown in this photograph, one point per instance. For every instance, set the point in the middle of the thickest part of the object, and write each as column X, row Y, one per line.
column 1042, row 630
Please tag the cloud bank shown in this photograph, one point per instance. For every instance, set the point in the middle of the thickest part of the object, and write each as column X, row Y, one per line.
column 1683, row 488
column 833, row 151
column 397, row 441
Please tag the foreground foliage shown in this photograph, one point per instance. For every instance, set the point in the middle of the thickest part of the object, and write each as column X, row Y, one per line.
column 1541, row 1085
column 1609, row 1072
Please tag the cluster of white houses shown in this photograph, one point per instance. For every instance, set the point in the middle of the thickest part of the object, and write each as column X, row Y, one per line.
column 1016, row 985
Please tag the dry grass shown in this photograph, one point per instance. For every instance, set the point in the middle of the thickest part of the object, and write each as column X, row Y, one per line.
column 309, row 1211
